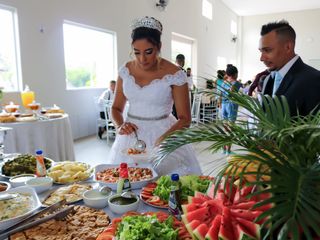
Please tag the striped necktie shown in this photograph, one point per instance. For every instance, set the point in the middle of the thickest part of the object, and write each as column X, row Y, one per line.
column 277, row 81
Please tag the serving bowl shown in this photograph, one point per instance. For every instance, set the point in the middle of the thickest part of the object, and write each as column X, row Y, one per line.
column 4, row 186
column 93, row 198
column 122, row 208
column 20, row 180
column 40, row 184
column 113, row 184
column 4, row 224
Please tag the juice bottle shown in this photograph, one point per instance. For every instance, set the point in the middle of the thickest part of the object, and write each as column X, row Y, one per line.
column 27, row 96
column 41, row 167
column 123, row 184
column 174, row 197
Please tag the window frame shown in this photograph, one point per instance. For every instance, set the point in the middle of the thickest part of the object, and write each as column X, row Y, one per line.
column 115, row 54
column 17, row 51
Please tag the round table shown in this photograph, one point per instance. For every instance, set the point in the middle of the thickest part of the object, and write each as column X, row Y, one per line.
column 52, row 136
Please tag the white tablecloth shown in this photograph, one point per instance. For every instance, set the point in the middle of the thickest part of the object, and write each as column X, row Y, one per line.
column 53, row 137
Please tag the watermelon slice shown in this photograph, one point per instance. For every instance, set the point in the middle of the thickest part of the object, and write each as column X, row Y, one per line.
column 190, row 207
column 213, row 231
column 226, row 231
column 191, row 226
column 196, row 200
column 201, row 231
column 245, row 214
column 249, row 228
column 199, row 214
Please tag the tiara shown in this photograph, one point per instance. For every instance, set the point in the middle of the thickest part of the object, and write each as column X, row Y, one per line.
column 147, row 22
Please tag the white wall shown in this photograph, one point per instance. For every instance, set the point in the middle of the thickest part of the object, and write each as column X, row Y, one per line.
column 306, row 25
column 42, row 56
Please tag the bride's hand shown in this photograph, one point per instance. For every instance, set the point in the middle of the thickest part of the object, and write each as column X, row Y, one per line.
column 127, row 128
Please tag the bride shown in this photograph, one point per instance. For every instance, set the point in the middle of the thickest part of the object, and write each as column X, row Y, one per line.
column 151, row 85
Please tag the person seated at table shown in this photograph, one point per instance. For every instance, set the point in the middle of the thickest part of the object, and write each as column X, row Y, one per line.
column 107, row 95
column 151, row 85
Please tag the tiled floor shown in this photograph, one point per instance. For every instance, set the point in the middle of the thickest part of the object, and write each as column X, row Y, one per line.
column 95, row 151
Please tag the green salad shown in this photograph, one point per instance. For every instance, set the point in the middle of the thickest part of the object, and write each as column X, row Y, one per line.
column 189, row 184
column 147, row 228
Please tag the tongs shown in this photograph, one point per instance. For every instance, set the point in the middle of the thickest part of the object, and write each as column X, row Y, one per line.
column 33, row 221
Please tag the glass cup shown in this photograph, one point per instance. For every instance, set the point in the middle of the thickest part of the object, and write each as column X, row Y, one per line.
column 27, row 98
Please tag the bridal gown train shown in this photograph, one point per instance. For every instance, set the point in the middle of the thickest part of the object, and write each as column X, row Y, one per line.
column 153, row 101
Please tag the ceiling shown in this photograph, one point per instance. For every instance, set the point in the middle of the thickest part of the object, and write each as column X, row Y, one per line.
column 259, row 7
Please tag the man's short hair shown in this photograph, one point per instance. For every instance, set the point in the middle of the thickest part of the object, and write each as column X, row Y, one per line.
column 282, row 28
column 113, row 82
column 180, row 57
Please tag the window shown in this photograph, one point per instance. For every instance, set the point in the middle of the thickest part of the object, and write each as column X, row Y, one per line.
column 207, row 9
column 182, row 45
column 10, row 77
column 90, row 56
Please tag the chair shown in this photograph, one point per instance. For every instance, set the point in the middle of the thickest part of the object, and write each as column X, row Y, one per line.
column 110, row 128
column 195, row 109
column 208, row 110
column 100, row 122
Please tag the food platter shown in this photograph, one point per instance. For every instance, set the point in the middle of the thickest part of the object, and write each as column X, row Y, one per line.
column 71, row 193
column 111, row 231
column 144, row 157
column 70, row 172
column 4, row 224
column 146, row 195
column 18, row 158
column 112, row 183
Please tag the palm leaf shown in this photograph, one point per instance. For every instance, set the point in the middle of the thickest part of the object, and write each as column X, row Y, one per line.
column 288, row 147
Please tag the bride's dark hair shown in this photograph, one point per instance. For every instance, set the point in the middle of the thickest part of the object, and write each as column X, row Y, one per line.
column 152, row 35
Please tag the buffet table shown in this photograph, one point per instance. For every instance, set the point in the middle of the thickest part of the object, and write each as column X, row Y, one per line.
column 53, row 136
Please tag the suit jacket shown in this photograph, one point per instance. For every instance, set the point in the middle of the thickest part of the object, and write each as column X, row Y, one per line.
column 301, row 87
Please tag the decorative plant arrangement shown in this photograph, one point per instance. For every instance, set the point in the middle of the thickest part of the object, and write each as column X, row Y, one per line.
column 279, row 155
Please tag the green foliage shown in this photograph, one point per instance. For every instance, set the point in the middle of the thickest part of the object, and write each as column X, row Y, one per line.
column 289, row 147
column 79, row 77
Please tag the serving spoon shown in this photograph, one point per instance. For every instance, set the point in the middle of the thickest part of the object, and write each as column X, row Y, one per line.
column 128, row 194
column 7, row 196
column 139, row 145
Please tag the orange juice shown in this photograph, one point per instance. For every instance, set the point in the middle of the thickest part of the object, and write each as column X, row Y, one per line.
column 27, row 98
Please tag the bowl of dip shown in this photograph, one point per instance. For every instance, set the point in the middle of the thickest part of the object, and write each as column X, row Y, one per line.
column 121, row 205
column 20, row 180
column 94, row 198
column 40, row 184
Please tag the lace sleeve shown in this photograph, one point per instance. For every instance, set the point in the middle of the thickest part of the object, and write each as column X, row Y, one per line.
column 123, row 71
column 179, row 78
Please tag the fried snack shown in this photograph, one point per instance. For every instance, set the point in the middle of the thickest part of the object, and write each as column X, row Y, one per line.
column 85, row 224
column 71, row 193
column 7, row 118
column 134, row 151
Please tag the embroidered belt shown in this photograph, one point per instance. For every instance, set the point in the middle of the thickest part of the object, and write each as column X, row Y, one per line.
column 147, row 118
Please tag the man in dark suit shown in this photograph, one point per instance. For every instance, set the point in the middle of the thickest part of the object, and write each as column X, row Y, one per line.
column 289, row 76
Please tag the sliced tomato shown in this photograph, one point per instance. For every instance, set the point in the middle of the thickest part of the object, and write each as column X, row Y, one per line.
column 148, row 189
column 154, row 199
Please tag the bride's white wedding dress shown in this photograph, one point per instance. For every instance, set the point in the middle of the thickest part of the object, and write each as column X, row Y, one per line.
column 146, row 104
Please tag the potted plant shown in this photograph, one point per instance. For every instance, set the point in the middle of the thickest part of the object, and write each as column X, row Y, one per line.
column 286, row 155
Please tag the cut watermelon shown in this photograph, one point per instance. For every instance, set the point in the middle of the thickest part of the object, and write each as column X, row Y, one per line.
column 196, row 200
column 245, row 214
column 249, row 228
column 201, row 195
column 192, row 226
column 226, row 231
column 199, row 214
column 190, row 207
column 213, row 231
column 201, row 231
column 241, row 194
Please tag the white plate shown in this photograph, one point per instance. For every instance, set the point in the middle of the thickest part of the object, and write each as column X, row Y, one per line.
column 134, row 185
column 36, row 204
column 144, row 157
column 17, row 155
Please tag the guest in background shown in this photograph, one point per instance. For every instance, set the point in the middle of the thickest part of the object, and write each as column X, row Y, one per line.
column 190, row 79
column 292, row 78
column 107, row 95
column 246, row 86
column 220, row 78
column 229, row 109
column 180, row 61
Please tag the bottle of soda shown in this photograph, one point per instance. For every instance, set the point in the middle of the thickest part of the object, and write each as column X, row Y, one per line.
column 174, row 197
column 41, row 167
column 124, row 184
